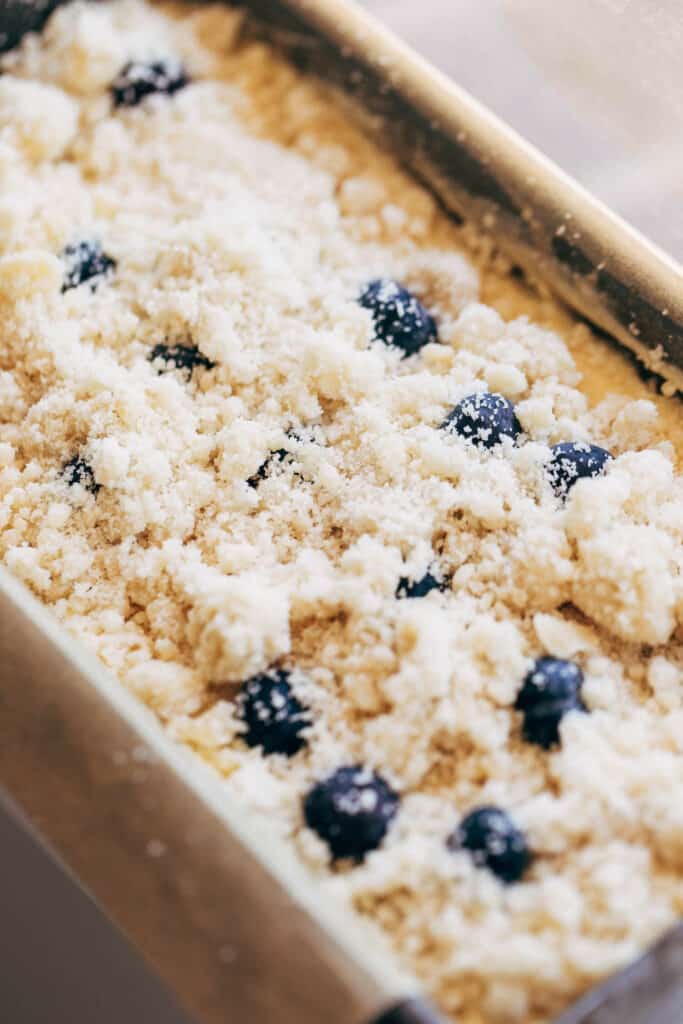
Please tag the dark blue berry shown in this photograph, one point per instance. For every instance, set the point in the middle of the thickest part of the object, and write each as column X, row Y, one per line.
column 86, row 261
column 494, row 841
column 78, row 471
column 143, row 78
column 551, row 689
column 274, row 458
column 574, row 460
column 178, row 357
column 351, row 810
column 398, row 317
column 273, row 717
column 419, row 588
column 484, row 419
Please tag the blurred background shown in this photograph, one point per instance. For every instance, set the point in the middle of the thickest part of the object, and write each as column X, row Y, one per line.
column 597, row 85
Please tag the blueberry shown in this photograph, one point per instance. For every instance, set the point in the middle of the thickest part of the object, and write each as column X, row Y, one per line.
column 419, row 588
column 550, row 690
column 143, row 78
column 573, row 460
column 399, row 318
column 494, row 841
column 78, row 471
column 178, row 357
column 484, row 419
column 273, row 717
column 277, row 456
column 86, row 261
column 351, row 810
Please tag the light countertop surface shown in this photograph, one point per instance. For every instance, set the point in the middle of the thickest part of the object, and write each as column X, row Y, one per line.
column 597, row 85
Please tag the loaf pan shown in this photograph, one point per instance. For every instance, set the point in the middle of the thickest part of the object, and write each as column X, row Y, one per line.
column 219, row 908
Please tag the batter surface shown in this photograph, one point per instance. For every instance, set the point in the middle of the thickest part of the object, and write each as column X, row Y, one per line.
column 244, row 467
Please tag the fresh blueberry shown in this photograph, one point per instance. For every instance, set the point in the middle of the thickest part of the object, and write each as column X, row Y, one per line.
column 399, row 318
column 275, row 457
column 141, row 78
column 178, row 357
column 78, row 471
column 484, row 419
column 273, row 717
column 351, row 810
column 494, row 842
column 419, row 588
column 574, row 460
column 550, row 690
column 86, row 261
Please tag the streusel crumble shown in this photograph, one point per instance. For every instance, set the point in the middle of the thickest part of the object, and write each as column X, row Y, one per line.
column 387, row 538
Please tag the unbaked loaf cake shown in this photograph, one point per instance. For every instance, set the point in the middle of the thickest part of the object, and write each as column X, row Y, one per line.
column 380, row 532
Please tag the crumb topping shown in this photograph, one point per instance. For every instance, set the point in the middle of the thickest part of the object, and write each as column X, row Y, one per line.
column 380, row 532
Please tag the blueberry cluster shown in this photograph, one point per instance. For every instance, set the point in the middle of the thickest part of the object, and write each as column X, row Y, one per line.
column 484, row 419
column 353, row 808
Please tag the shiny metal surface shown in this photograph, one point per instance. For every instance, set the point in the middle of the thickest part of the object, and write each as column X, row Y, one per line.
column 648, row 992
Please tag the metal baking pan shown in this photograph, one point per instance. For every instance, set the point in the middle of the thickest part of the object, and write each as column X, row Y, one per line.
column 222, row 911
